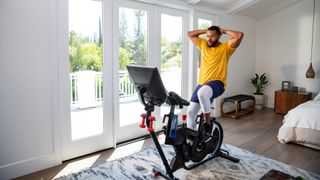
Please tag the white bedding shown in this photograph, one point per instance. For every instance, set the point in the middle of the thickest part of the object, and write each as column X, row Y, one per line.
column 301, row 125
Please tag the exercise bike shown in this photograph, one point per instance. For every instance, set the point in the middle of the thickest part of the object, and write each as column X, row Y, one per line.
column 192, row 148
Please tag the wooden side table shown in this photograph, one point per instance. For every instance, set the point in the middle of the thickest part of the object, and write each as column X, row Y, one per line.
column 286, row 100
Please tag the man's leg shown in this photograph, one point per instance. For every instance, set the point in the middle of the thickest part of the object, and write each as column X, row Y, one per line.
column 211, row 89
column 192, row 113
column 193, row 109
column 204, row 95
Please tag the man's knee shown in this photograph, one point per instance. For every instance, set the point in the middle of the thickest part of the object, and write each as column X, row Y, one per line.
column 191, row 111
column 205, row 92
column 201, row 96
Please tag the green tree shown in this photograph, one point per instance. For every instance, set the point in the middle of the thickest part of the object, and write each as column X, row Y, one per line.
column 75, row 42
column 132, row 50
column 203, row 26
column 165, row 45
column 84, row 54
column 91, row 57
column 139, row 50
column 177, row 48
column 123, row 26
column 124, row 58
column 169, row 51
column 100, row 33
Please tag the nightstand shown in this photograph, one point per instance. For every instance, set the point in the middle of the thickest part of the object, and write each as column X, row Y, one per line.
column 286, row 100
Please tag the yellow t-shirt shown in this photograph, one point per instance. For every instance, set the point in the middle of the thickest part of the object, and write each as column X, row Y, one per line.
column 214, row 61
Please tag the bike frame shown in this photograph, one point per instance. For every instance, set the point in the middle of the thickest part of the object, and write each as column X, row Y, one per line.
column 179, row 160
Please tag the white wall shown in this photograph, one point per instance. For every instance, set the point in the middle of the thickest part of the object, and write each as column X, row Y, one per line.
column 26, row 111
column 283, row 48
column 242, row 62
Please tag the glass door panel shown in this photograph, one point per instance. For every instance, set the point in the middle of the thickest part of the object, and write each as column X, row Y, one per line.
column 84, row 131
column 171, row 52
column 203, row 24
column 141, row 41
column 133, row 50
column 85, row 59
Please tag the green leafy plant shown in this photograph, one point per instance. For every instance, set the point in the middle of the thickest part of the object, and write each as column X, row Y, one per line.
column 259, row 82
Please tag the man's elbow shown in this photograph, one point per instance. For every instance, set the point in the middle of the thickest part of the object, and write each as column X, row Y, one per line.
column 240, row 36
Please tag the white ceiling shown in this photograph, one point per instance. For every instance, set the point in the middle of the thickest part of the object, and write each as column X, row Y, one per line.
column 253, row 8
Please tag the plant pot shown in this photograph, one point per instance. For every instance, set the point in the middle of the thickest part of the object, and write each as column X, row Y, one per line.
column 259, row 101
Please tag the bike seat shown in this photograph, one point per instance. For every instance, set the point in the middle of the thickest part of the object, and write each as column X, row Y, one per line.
column 174, row 99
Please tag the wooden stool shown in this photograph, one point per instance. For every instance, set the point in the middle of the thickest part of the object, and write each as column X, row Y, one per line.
column 237, row 101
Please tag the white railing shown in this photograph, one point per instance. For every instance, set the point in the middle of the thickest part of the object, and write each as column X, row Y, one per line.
column 87, row 87
column 74, row 88
column 127, row 92
column 126, row 88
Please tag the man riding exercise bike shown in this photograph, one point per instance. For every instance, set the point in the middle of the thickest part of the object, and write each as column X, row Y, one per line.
column 203, row 148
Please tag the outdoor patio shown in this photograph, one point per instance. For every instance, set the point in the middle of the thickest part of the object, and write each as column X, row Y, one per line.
column 86, row 101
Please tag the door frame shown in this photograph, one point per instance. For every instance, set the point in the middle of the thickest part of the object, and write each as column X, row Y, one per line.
column 150, row 36
column 185, row 42
column 154, row 51
column 110, row 54
column 64, row 131
column 185, row 46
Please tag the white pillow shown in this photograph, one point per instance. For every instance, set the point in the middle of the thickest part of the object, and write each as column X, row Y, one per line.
column 317, row 98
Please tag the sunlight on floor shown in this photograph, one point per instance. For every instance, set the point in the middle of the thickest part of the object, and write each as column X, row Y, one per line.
column 126, row 150
column 116, row 154
column 78, row 165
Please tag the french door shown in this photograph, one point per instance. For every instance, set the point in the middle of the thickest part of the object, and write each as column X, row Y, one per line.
column 147, row 35
column 86, row 101
column 98, row 102
column 173, row 51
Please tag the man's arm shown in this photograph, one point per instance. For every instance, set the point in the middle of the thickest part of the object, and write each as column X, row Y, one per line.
column 194, row 35
column 235, row 39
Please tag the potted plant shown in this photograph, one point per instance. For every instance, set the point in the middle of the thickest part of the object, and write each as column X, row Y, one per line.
column 259, row 82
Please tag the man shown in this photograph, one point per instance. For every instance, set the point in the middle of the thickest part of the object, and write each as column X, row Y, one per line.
column 213, row 70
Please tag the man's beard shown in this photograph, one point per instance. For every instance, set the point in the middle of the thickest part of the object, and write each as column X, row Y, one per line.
column 213, row 44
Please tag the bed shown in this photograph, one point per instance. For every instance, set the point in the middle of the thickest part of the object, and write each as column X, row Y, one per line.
column 301, row 125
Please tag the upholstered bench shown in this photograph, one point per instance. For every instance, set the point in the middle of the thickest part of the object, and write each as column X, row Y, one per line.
column 237, row 100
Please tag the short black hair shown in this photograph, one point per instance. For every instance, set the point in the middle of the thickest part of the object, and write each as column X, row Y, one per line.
column 216, row 29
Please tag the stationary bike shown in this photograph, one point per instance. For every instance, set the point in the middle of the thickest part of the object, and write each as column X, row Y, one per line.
column 192, row 148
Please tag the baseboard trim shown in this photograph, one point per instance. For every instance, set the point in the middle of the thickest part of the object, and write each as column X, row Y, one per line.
column 27, row 166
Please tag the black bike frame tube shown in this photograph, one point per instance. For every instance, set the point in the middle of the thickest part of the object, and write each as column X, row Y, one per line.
column 163, row 157
column 158, row 146
column 172, row 108
column 170, row 117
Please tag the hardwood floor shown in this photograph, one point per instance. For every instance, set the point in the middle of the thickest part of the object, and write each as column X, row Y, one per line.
column 256, row 132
